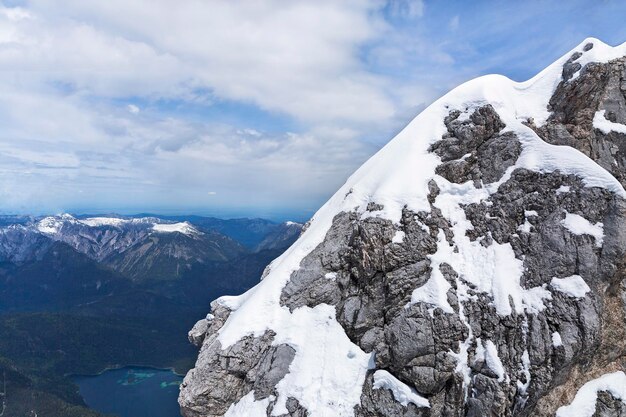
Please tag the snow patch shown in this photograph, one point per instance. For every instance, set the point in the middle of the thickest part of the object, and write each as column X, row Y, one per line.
column 493, row 269
column 435, row 290
column 331, row 275
column 556, row 339
column 525, row 227
column 49, row 225
column 606, row 126
column 249, row 407
column 563, row 189
column 319, row 340
column 573, row 286
column 493, row 360
column 584, row 404
column 401, row 392
column 479, row 355
column 52, row 224
column 525, row 369
column 578, row 225
column 185, row 228
column 103, row 221
column 543, row 157
column 398, row 237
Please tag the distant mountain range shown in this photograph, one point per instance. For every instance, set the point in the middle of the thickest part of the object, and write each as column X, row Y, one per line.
column 61, row 261
column 143, row 247
column 80, row 293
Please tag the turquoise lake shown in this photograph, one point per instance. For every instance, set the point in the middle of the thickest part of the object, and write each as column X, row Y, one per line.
column 132, row 392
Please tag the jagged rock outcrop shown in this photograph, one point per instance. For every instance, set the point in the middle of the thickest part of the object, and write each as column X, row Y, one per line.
column 471, row 268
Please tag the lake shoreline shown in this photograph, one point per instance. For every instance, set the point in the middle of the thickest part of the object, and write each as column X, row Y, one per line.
column 131, row 391
column 117, row 367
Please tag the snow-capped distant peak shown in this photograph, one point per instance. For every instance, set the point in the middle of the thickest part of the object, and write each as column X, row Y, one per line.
column 52, row 224
column 104, row 221
column 290, row 223
column 184, row 227
column 12, row 227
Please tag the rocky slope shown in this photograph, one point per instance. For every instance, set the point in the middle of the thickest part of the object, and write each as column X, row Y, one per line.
column 250, row 232
column 473, row 267
column 282, row 236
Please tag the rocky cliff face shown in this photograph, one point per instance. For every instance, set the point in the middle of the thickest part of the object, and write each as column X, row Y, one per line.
column 474, row 267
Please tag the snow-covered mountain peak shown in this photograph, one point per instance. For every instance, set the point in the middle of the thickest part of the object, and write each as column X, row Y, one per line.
column 183, row 227
column 53, row 224
column 456, row 224
column 398, row 174
column 105, row 221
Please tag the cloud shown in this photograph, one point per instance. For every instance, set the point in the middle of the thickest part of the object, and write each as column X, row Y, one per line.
column 146, row 104
column 67, row 69
column 277, row 55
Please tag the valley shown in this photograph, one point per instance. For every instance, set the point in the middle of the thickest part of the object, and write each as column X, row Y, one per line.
column 79, row 295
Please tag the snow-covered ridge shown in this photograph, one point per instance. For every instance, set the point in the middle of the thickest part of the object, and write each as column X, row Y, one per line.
column 184, row 227
column 53, row 224
column 13, row 227
column 114, row 221
column 49, row 225
column 395, row 178
column 601, row 52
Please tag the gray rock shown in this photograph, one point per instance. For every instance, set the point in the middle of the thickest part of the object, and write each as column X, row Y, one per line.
column 609, row 406
column 198, row 332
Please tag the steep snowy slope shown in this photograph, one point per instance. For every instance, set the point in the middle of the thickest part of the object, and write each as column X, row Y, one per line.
column 474, row 266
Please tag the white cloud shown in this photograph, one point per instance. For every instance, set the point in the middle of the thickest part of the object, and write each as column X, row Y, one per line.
column 15, row 13
column 335, row 77
column 294, row 57
column 65, row 68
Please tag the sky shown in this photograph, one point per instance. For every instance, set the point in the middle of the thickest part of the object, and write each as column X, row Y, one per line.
column 242, row 108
